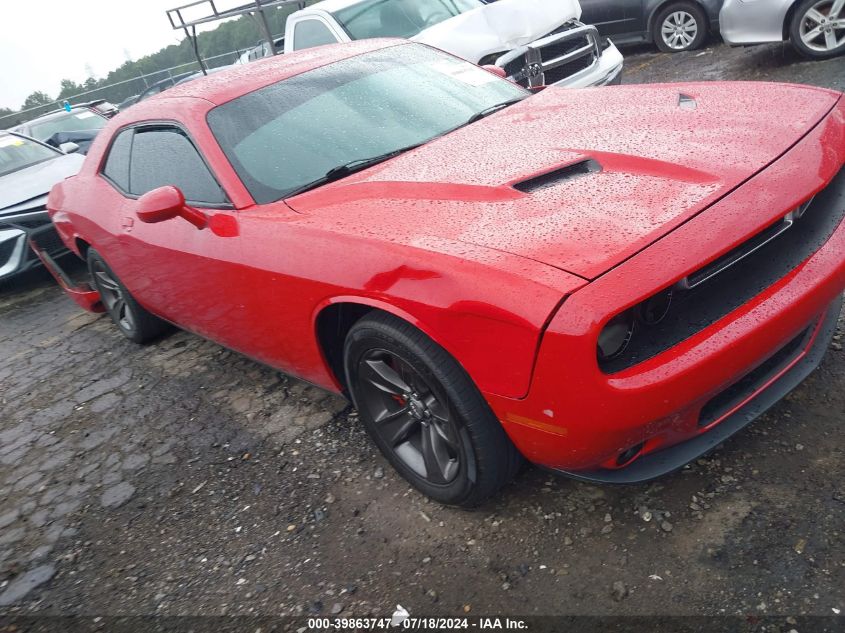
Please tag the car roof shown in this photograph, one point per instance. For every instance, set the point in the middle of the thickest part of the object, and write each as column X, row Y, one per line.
column 57, row 114
column 238, row 80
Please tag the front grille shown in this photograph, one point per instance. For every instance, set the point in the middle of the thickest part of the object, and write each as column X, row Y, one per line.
column 559, row 73
column 737, row 393
column 568, row 50
column 699, row 306
column 7, row 247
column 564, row 47
column 515, row 70
column 29, row 224
column 25, row 220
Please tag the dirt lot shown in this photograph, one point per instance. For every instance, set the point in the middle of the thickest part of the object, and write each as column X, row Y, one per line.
column 183, row 479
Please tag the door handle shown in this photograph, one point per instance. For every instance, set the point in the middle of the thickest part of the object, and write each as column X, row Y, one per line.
column 128, row 223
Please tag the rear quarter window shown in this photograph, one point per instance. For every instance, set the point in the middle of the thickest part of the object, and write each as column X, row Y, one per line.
column 116, row 168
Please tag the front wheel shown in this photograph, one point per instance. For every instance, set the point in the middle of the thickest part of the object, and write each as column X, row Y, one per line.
column 681, row 26
column 425, row 414
column 817, row 29
column 136, row 323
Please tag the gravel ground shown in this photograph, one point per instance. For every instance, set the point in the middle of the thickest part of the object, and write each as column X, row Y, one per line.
column 183, row 479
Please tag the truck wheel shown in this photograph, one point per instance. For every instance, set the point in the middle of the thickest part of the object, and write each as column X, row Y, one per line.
column 680, row 26
column 817, row 31
column 425, row 414
column 135, row 322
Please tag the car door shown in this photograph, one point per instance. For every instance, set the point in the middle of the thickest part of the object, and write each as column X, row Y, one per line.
column 174, row 269
column 620, row 17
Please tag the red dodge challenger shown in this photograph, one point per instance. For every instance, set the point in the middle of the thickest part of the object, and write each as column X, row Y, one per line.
column 608, row 282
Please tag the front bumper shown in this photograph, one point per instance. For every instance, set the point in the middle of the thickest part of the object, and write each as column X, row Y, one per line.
column 764, row 388
column 15, row 234
column 580, row 420
column 574, row 56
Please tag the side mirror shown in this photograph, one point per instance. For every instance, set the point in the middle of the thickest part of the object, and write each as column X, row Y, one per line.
column 166, row 203
column 496, row 70
column 69, row 148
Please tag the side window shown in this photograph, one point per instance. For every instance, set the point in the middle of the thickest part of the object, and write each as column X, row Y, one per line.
column 165, row 156
column 116, row 168
column 311, row 33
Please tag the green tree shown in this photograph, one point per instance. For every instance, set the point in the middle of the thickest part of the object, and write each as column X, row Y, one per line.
column 37, row 98
column 68, row 88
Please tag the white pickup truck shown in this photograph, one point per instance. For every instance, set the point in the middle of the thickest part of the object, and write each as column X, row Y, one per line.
column 536, row 42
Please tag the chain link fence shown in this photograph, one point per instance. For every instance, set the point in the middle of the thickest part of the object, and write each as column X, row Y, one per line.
column 117, row 92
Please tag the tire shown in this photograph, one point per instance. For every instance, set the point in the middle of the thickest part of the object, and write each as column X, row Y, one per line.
column 445, row 439
column 136, row 323
column 689, row 27
column 829, row 42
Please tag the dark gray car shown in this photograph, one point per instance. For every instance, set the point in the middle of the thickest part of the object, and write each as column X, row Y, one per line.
column 28, row 170
column 673, row 25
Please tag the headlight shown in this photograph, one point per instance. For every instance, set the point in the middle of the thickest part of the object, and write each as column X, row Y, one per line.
column 615, row 336
column 654, row 309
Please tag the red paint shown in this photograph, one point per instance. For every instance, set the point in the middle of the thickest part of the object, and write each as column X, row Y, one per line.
column 440, row 238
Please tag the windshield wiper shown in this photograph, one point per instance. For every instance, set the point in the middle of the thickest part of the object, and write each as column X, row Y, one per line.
column 347, row 169
column 491, row 110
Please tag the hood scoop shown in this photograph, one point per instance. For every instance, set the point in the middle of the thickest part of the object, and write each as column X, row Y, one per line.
column 554, row 178
column 685, row 102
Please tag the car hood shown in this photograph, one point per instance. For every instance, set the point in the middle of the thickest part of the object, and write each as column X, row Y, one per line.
column 518, row 181
column 24, row 189
column 498, row 27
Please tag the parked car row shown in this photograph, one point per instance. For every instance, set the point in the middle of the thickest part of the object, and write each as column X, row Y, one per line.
column 815, row 28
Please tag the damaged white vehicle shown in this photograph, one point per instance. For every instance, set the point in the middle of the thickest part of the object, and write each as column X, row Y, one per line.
column 536, row 42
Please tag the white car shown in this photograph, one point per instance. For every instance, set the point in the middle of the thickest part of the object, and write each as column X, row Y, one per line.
column 536, row 42
column 816, row 28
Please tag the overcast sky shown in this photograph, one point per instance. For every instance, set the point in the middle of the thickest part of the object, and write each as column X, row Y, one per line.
column 45, row 41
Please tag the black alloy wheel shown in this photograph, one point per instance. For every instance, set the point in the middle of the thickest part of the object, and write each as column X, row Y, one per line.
column 113, row 297
column 410, row 417
column 425, row 414
column 136, row 323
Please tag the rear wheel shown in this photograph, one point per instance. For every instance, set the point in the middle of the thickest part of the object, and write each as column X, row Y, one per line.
column 680, row 26
column 817, row 29
column 136, row 323
column 425, row 414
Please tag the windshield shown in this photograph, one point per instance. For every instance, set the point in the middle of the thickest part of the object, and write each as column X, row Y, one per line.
column 399, row 18
column 19, row 153
column 292, row 133
column 74, row 121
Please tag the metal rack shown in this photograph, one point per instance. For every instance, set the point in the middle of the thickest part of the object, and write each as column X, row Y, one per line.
column 211, row 13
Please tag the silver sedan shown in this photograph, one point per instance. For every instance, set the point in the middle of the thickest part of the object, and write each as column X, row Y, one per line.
column 816, row 28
